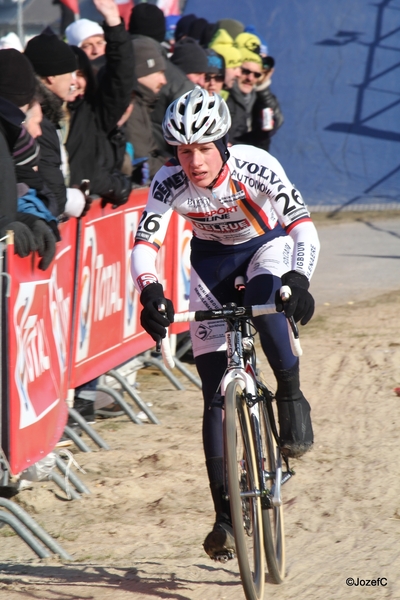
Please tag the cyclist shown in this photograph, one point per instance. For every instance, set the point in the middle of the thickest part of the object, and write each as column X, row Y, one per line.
column 247, row 220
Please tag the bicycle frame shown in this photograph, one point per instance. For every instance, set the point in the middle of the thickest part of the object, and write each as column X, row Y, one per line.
column 241, row 368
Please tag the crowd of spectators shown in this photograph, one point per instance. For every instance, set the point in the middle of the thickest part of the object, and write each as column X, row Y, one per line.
column 81, row 116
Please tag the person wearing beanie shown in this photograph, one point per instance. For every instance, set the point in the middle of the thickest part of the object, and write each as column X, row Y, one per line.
column 149, row 67
column 148, row 21
column 252, row 111
column 222, row 43
column 202, row 31
column 70, row 148
column 215, row 74
column 242, row 95
column 191, row 58
column 248, row 41
column 87, row 35
column 17, row 91
column 233, row 27
column 264, row 46
column 183, row 26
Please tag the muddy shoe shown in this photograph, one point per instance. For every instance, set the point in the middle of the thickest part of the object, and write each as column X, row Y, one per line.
column 296, row 431
column 220, row 543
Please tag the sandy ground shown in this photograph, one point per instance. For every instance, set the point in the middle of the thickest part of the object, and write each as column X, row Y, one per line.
column 139, row 534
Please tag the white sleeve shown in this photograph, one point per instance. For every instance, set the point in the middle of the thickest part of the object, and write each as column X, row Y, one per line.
column 143, row 266
column 149, row 237
column 306, row 247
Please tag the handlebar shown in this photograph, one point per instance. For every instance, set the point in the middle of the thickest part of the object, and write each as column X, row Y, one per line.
column 226, row 312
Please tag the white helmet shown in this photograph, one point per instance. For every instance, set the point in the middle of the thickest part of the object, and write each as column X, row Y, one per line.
column 196, row 117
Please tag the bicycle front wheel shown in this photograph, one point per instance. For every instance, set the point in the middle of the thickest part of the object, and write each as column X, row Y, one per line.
column 243, row 488
column 272, row 516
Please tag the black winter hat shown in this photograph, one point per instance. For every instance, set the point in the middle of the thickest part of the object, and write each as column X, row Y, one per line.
column 49, row 55
column 17, row 79
column 148, row 19
column 202, row 31
column 189, row 56
column 183, row 25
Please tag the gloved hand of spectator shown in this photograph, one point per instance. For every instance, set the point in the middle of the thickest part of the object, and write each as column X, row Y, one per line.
column 119, row 192
column 46, row 243
column 153, row 321
column 24, row 241
column 301, row 304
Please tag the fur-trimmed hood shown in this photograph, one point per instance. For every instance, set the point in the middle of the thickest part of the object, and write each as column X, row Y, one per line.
column 52, row 105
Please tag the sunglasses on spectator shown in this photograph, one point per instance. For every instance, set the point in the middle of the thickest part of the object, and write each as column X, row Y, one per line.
column 218, row 78
column 248, row 72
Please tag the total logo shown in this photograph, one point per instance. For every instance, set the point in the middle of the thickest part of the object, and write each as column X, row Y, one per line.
column 38, row 339
column 99, row 292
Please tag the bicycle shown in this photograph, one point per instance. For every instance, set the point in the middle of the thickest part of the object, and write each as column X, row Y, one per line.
column 253, row 461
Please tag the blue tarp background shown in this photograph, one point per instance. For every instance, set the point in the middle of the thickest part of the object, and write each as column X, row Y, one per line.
column 337, row 77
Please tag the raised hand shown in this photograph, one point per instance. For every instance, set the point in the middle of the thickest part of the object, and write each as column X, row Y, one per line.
column 109, row 10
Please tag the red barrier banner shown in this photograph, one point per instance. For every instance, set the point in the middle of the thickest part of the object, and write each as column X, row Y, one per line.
column 106, row 329
column 39, row 312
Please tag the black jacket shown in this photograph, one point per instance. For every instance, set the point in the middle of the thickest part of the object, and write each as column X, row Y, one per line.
column 10, row 128
column 91, row 121
column 247, row 119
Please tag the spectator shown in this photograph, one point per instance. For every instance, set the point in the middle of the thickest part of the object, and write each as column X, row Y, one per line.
column 190, row 57
column 222, row 43
column 54, row 63
column 148, row 20
column 183, row 26
column 231, row 26
column 255, row 111
column 242, row 96
column 215, row 75
column 87, row 35
column 84, row 123
column 17, row 89
column 267, row 116
column 105, row 174
column 149, row 67
column 202, row 31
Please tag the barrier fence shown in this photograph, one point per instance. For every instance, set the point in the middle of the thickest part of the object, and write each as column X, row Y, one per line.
column 76, row 321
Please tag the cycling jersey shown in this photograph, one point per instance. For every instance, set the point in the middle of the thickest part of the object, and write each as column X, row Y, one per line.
column 252, row 198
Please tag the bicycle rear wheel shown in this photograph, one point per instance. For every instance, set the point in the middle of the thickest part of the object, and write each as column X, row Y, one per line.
column 272, row 517
column 243, row 479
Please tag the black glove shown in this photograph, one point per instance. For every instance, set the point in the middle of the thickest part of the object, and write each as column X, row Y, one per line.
column 119, row 191
column 24, row 241
column 151, row 319
column 300, row 304
column 46, row 243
